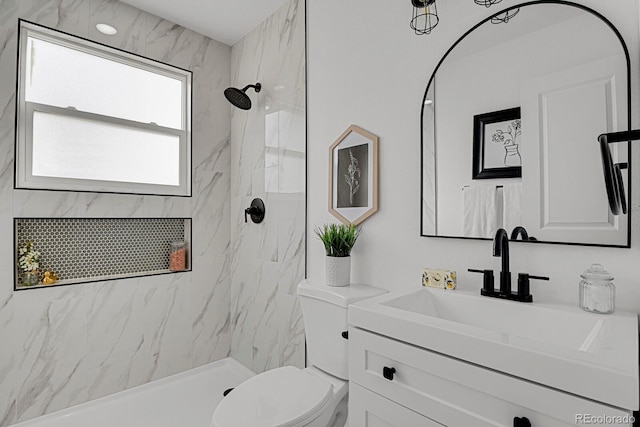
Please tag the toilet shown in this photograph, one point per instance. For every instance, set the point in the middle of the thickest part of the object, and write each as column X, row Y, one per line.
column 311, row 397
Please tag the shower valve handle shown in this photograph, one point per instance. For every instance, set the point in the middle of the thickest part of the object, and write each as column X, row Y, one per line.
column 248, row 211
column 255, row 211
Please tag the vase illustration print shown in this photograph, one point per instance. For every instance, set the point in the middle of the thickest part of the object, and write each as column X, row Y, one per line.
column 512, row 155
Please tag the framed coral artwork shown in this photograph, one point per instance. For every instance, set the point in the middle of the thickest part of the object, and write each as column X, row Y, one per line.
column 496, row 144
column 353, row 176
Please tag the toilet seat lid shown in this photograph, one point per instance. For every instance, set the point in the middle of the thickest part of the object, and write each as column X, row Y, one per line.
column 282, row 397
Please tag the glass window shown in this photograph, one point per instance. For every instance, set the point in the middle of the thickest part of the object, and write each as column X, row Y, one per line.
column 69, row 147
column 92, row 118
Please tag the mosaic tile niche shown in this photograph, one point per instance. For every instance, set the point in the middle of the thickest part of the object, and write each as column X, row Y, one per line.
column 81, row 250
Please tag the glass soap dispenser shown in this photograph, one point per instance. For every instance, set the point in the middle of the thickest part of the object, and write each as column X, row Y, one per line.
column 597, row 291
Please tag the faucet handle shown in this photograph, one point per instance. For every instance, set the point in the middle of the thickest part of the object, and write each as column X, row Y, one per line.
column 524, row 294
column 487, row 281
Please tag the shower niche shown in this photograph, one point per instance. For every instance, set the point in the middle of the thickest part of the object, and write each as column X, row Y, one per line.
column 81, row 250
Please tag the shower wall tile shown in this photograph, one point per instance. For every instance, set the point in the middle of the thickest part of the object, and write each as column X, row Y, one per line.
column 112, row 378
column 243, row 293
column 267, row 232
column 171, row 43
column 6, row 185
column 165, row 326
column 268, row 161
column 165, row 206
column 246, row 238
column 114, row 331
column 74, row 343
column 8, row 41
column 51, row 370
column 210, row 317
column 210, row 71
column 112, row 205
column 289, row 275
column 176, row 45
column 240, row 182
column 8, row 365
column 211, row 126
column 70, row 16
column 291, row 344
column 9, row 12
column 291, row 226
column 48, row 203
column 264, row 326
column 8, row 413
column 211, row 213
column 292, row 72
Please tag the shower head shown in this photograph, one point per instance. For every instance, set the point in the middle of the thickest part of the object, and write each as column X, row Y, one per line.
column 239, row 97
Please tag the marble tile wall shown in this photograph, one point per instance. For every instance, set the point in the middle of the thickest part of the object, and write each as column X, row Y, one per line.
column 268, row 161
column 63, row 346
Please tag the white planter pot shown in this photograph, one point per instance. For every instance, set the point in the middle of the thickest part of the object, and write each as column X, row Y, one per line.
column 338, row 271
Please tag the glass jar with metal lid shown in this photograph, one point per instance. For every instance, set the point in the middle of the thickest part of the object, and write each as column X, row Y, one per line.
column 597, row 291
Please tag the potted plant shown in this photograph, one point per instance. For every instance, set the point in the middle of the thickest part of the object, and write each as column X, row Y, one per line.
column 29, row 264
column 338, row 240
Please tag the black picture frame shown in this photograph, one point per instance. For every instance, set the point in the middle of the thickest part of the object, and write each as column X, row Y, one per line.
column 481, row 139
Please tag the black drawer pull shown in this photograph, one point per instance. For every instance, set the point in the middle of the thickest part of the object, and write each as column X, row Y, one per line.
column 388, row 373
column 521, row 422
column 345, row 335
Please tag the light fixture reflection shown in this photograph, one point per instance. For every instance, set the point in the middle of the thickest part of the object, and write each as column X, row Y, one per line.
column 425, row 16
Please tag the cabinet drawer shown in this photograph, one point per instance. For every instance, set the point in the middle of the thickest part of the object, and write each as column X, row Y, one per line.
column 368, row 409
column 456, row 393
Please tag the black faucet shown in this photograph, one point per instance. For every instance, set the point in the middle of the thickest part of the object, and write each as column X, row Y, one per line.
column 519, row 231
column 522, row 232
column 501, row 249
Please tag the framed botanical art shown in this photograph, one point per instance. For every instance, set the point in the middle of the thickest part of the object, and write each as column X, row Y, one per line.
column 496, row 139
column 353, row 176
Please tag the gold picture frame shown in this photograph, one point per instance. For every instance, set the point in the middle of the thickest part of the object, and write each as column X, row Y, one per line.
column 353, row 176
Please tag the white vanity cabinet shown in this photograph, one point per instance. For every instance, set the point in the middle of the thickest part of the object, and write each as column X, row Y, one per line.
column 367, row 408
column 425, row 388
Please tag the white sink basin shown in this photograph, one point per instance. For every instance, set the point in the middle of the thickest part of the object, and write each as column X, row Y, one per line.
column 595, row 356
column 556, row 327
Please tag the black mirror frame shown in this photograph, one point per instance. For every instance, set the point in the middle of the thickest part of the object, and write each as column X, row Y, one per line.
column 612, row 172
column 613, row 186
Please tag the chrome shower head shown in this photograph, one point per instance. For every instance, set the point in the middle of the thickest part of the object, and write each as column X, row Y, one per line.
column 239, row 97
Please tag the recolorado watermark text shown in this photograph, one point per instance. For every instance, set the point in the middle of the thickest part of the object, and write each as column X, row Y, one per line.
column 591, row 419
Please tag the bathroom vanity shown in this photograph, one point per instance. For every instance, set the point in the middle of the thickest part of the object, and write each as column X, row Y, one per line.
column 432, row 357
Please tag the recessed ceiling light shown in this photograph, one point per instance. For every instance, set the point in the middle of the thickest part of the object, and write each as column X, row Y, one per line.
column 428, row 101
column 107, row 29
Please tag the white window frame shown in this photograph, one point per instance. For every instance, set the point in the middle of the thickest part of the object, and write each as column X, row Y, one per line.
column 24, row 179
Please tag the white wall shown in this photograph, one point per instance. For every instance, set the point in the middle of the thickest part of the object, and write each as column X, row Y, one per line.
column 368, row 68
column 65, row 345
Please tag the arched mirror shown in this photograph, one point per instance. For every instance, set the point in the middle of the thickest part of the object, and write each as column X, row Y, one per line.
column 510, row 125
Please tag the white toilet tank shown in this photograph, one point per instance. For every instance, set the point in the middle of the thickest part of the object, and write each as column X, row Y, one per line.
column 324, row 309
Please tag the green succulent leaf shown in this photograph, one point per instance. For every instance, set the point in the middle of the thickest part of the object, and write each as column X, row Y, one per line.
column 338, row 239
